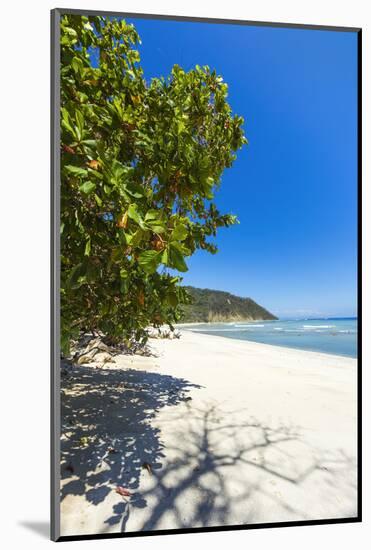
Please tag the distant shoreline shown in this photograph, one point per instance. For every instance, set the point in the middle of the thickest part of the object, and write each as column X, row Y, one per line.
column 278, row 347
column 336, row 336
column 179, row 325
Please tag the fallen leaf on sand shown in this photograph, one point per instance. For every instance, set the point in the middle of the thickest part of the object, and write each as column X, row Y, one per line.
column 122, row 491
column 70, row 468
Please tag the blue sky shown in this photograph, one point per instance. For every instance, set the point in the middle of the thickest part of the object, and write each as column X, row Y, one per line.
column 294, row 186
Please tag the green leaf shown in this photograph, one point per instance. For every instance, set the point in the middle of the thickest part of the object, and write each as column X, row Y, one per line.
column 149, row 260
column 152, row 215
column 80, row 121
column 182, row 249
column 157, row 228
column 77, row 64
column 87, row 187
column 156, row 225
column 87, row 247
column 135, row 216
column 134, row 191
column 68, row 128
column 76, row 170
column 172, row 299
column 137, row 238
column 116, row 254
column 77, row 275
column 66, row 122
column 165, row 257
column 98, row 200
column 70, row 31
column 179, row 233
column 90, row 143
column 129, row 238
column 177, row 260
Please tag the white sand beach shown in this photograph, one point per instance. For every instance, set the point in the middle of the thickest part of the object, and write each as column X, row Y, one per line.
column 209, row 431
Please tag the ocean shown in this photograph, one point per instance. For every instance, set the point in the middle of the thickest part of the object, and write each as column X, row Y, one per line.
column 337, row 336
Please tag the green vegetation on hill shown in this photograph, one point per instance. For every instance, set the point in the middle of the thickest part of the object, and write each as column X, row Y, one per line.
column 215, row 305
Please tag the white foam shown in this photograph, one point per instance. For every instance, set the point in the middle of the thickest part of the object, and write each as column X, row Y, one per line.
column 249, row 326
column 216, row 330
column 318, row 326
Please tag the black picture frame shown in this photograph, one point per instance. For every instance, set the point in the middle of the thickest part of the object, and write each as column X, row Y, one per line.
column 55, row 274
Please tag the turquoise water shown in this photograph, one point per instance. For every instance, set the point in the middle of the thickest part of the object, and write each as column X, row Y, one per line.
column 336, row 336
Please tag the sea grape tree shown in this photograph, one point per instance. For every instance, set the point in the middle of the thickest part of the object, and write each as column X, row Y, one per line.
column 140, row 163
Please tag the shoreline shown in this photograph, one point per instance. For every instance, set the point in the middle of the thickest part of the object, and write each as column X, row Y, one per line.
column 274, row 345
column 209, row 431
column 179, row 327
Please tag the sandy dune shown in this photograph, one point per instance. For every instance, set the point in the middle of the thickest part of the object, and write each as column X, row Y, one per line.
column 269, row 435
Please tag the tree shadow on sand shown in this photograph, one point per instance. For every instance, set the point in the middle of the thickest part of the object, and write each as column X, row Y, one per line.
column 223, row 468
column 219, row 465
column 107, row 436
